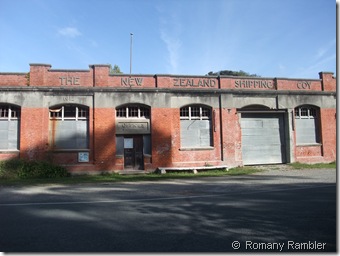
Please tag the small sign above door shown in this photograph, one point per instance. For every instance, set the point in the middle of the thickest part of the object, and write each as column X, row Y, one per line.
column 127, row 127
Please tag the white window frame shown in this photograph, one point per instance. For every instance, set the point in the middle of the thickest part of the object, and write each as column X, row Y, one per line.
column 299, row 115
column 193, row 117
column 140, row 109
column 62, row 110
column 11, row 110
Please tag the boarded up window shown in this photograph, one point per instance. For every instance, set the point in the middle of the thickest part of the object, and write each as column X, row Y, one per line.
column 307, row 125
column 9, row 127
column 195, row 127
column 69, row 127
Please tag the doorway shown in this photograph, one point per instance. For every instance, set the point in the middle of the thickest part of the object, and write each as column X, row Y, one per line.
column 133, row 152
column 263, row 138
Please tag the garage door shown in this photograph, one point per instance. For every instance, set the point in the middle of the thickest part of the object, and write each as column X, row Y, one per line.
column 263, row 139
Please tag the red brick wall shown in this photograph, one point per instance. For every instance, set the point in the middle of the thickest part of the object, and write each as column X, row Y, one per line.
column 69, row 79
column 105, row 139
column 161, row 123
column 9, row 155
column 232, row 145
column 328, row 129
column 164, row 81
column 328, row 81
column 38, row 74
column 101, row 75
column 98, row 75
column 7, row 79
column 65, row 158
column 308, row 151
column 34, row 134
column 45, row 76
column 238, row 83
column 133, row 81
column 298, row 85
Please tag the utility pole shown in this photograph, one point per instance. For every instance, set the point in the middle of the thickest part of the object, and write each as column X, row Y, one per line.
column 131, row 35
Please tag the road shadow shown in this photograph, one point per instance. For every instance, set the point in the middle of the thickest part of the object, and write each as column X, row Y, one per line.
column 192, row 217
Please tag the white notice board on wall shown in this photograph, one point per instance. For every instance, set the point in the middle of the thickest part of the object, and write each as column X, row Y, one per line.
column 83, row 157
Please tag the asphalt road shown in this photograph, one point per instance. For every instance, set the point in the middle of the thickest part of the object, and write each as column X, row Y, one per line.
column 272, row 211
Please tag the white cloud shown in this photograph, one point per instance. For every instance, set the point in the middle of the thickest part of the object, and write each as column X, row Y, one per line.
column 69, row 32
column 322, row 51
column 172, row 44
column 320, row 64
column 313, row 69
column 170, row 30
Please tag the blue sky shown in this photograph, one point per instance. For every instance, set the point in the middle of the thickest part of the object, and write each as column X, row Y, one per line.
column 272, row 38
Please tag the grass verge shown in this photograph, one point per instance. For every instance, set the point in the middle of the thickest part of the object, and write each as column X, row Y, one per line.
column 10, row 171
column 114, row 177
column 331, row 165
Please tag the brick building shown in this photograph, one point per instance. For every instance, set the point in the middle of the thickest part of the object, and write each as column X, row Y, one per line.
column 90, row 120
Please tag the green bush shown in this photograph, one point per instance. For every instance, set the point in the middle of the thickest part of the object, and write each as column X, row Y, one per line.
column 16, row 168
column 10, row 168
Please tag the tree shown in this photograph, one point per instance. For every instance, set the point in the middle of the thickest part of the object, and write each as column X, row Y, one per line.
column 231, row 73
column 115, row 69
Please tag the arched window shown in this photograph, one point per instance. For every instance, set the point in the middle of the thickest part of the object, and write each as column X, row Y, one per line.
column 307, row 125
column 69, row 127
column 133, row 111
column 195, row 126
column 9, row 127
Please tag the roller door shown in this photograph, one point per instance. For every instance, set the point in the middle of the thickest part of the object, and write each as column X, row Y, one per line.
column 263, row 139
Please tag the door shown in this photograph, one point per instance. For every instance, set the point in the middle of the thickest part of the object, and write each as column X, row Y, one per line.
column 263, row 140
column 129, row 154
column 133, row 152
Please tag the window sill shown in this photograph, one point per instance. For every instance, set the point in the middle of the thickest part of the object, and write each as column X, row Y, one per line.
column 9, row 151
column 70, row 150
column 196, row 149
column 309, row 145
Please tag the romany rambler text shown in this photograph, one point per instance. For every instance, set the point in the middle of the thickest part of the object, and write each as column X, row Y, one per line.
column 290, row 246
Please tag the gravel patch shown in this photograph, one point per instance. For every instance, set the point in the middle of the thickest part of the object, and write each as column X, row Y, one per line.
column 313, row 174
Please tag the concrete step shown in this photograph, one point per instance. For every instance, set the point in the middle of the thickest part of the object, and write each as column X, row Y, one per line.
column 132, row 172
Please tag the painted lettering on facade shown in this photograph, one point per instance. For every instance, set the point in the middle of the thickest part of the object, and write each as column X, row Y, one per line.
column 132, row 127
column 254, row 84
column 72, row 99
column 69, row 80
column 190, row 82
column 68, row 99
column 131, row 81
column 303, row 85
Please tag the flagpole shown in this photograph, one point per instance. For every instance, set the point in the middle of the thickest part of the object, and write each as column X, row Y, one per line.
column 131, row 35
